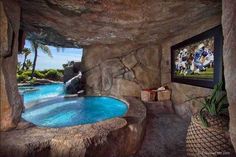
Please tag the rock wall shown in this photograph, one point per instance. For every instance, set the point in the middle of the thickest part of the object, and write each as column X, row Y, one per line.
column 229, row 56
column 181, row 93
column 11, row 103
column 71, row 70
column 122, row 69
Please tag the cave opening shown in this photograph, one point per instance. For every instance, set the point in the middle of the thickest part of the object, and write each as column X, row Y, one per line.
column 41, row 67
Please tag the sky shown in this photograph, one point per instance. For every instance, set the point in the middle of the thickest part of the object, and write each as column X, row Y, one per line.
column 45, row 62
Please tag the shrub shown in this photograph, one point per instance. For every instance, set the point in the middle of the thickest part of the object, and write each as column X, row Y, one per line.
column 44, row 71
column 38, row 74
column 20, row 72
column 53, row 75
column 61, row 71
column 27, row 73
column 22, row 78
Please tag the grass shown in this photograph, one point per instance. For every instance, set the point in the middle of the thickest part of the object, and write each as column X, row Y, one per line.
column 208, row 74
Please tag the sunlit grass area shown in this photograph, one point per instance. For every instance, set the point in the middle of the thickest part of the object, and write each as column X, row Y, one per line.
column 208, row 74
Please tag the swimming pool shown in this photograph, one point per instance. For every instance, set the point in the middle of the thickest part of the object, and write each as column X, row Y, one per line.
column 62, row 112
column 36, row 93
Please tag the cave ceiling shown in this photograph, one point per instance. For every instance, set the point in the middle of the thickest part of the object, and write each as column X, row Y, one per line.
column 78, row 23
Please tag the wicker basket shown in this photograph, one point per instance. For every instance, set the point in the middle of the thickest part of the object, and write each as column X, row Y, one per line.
column 211, row 141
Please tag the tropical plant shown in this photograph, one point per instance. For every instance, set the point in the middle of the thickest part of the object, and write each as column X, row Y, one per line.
column 28, row 64
column 215, row 105
column 19, row 67
column 35, row 46
column 53, row 75
column 208, row 130
column 22, row 77
column 27, row 72
column 25, row 52
column 38, row 74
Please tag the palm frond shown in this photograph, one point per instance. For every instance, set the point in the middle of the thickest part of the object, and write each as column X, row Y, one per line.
column 202, row 118
column 216, row 104
column 26, row 51
column 34, row 45
column 45, row 49
column 215, row 92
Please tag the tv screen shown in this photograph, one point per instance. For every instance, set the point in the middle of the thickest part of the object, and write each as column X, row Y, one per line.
column 198, row 60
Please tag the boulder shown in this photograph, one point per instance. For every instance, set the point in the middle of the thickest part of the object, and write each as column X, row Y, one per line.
column 68, row 73
column 74, row 85
column 71, row 70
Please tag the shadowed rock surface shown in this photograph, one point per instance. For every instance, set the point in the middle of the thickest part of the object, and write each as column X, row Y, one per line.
column 11, row 104
column 70, row 70
column 229, row 25
column 89, row 22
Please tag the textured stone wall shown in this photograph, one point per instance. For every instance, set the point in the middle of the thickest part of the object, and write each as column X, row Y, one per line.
column 229, row 56
column 10, row 102
column 181, row 93
column 122, row 69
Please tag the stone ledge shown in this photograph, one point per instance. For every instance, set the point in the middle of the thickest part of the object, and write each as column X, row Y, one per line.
column 119, row 137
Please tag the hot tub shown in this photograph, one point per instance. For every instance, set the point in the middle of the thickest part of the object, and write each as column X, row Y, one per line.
column 121, row 136
column 63, row 112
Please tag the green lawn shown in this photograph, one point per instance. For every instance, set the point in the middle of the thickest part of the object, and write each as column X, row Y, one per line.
column 208, row 74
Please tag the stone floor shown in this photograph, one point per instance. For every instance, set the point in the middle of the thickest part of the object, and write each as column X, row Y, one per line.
column 165, row 135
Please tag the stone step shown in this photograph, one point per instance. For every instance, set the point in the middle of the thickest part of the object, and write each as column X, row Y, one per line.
column 155, row 107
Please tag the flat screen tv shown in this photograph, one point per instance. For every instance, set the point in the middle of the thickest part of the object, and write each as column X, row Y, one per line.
column 198, row 60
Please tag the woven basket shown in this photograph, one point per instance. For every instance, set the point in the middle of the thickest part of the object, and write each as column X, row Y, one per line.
column 208, row 141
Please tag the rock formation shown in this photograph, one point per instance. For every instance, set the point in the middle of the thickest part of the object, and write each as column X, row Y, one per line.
column 90, row 22
column 10, row 100
column 71, row 70
column 74, row 84
column 122, row 69
column 126, row 44
column 229, row 55
column 122, row 39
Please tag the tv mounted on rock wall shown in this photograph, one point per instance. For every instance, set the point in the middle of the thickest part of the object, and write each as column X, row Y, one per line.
column 198, row 60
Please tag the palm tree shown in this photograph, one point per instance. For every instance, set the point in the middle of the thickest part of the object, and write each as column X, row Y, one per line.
column 18, row 66
column 26, row 52
column 35, row 45
column 28, row 64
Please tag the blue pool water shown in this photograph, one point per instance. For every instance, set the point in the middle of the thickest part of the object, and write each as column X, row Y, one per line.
column 62, row 112
column 40, row 92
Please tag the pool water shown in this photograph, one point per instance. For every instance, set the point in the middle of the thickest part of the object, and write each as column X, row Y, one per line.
column 36, row 93
column 62, row 112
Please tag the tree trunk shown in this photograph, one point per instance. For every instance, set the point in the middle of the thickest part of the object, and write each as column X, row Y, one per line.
column 23, row 66
column 35, row 60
